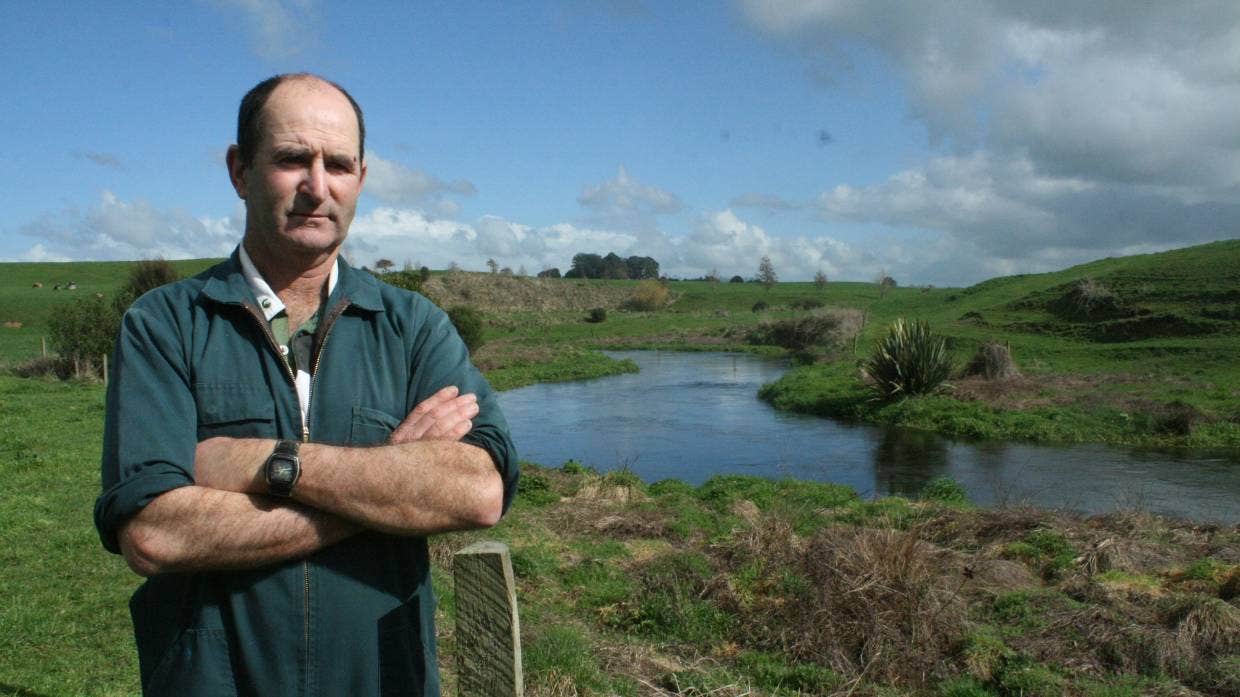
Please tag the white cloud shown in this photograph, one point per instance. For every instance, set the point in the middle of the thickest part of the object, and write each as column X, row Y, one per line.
column 625, row 196
column 395, row 184
column 116, row 229
column 1072, row 130
column 279, row 29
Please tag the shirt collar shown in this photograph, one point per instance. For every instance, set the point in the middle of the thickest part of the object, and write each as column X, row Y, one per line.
column 268, row 301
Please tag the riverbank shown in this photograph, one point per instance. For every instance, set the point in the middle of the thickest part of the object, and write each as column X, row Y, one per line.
column 733, row 587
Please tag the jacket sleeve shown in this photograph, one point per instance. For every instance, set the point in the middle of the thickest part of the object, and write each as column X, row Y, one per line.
column 150, row 426
column 441, row 359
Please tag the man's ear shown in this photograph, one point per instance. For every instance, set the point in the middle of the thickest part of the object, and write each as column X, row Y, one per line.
column 362, row 179
column 236, row 170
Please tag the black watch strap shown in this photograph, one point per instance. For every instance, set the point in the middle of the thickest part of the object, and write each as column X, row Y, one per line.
column 282, row 469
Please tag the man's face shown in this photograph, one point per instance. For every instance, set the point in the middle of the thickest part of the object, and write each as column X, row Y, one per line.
column 301, row 188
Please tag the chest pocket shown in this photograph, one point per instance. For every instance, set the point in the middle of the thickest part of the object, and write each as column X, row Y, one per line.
column 236, row 409
column 371, row 426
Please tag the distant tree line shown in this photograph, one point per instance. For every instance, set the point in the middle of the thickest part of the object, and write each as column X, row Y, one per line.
column 612, row 266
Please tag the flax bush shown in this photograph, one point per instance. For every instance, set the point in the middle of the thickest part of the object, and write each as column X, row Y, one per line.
column 910, row 360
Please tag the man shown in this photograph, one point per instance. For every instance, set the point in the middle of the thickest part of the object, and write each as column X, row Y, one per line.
column 283, row 431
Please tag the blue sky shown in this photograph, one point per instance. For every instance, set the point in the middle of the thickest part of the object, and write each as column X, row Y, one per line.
column 940, row 143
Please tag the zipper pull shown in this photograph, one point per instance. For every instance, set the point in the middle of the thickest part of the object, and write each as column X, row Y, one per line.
column 305, row 433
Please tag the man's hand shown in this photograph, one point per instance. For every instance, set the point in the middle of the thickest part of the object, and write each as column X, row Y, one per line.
column 444, row 415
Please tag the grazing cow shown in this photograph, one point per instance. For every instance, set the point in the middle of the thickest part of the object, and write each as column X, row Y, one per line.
column 56, row 287
column 72, row 286
column 37, row 285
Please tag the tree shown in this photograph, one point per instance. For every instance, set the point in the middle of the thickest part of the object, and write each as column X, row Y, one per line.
column 586, row 266
column 640, row 268
column 614, row 266
column 766, row 273
column 884, row 283
column 553, row 272
column 820, row 279
column 736, row 279
column 713, row 276
column 493, row 266
column 383, row 265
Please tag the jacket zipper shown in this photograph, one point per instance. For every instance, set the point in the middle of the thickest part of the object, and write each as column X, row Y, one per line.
column 305, row 438
column 326, row 326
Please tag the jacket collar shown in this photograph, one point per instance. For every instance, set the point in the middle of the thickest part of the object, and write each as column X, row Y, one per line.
column 226, row 284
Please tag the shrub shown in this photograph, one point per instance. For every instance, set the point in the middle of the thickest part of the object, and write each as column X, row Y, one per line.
column 409, row 280
column 992, row 361
column 84, row 329
column 944, row 490
column 649, row 295
column 819, row 329
column 468, row 323
column 760, row 306
column 144, row 275
column 910, row 360
column 597, row 314
column 1090, row 300
column 736, row 279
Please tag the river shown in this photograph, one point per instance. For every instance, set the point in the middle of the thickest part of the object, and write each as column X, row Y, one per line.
column 693, row 415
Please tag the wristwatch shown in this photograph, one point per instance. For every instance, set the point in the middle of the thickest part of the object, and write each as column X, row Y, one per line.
column 282, row 469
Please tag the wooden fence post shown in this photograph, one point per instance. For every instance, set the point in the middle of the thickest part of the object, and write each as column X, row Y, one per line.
column 488, row 632
column 43, row 345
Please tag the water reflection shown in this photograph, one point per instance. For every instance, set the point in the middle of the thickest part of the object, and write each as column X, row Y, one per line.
column 693, row 415
column 906, row 460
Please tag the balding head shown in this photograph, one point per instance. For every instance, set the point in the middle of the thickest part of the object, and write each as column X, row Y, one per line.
column 249, row 116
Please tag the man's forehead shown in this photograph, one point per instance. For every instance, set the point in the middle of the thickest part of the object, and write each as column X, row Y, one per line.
column 304, row 108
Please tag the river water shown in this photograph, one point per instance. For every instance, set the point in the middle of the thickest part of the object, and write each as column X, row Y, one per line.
column 693, row 415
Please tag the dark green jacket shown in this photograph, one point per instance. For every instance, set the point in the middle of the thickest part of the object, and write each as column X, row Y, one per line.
column 194, row 360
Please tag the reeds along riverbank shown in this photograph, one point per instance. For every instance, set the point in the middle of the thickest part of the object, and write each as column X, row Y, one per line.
column 753, row 586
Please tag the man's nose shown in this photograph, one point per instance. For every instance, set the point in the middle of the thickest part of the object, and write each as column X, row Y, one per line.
column 314, row 183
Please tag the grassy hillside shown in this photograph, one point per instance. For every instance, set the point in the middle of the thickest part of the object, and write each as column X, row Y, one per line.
column 21, row 301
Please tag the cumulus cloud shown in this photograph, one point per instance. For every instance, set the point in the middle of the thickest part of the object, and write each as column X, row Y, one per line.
column 116, row 229
column 625, row 197
column 410, row 235
column 278, row 29
column 395, row 184
column 1070, row 130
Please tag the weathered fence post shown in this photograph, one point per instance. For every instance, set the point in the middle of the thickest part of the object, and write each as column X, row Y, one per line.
column 488, row 632
column 43, row 345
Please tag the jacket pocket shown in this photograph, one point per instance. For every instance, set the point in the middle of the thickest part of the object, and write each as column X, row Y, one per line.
column 371, row 426
column 237, row 409
column 196, row 665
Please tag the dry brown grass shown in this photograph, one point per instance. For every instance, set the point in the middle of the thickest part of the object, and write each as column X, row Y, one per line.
column 880, row 607
column 496, row 292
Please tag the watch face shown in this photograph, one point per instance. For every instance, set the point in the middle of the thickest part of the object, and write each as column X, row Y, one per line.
column 281, row 470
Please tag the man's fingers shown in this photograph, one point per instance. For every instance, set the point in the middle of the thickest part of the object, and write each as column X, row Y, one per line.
column 443, row 415
column 433, row 401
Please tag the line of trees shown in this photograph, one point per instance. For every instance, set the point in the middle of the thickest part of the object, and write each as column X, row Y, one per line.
column 612, row 266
